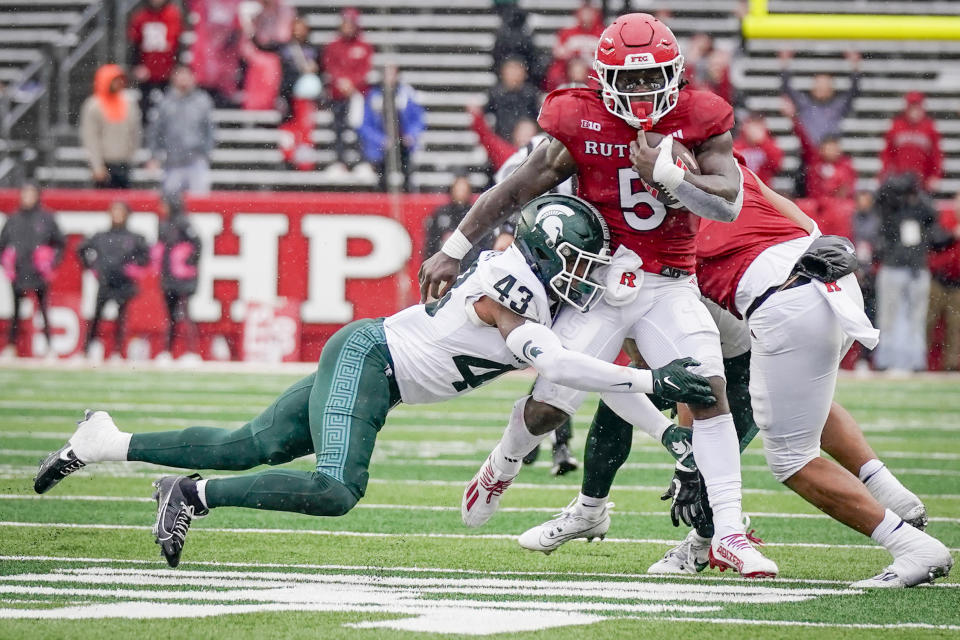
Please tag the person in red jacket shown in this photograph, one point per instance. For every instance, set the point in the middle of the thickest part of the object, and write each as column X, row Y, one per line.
column 154, row 35
column 346, row 62
column 945, row 291
column 759, row 149
column 578, row 41
column 913, row 144
column 830, row 172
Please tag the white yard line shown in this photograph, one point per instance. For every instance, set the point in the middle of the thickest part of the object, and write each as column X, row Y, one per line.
column 378, row 534
column 433, row 508
column 801, row 623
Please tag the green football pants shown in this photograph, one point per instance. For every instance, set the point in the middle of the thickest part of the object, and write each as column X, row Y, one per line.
column 335, row 413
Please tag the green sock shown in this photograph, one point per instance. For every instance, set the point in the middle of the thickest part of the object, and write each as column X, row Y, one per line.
column 607, row 448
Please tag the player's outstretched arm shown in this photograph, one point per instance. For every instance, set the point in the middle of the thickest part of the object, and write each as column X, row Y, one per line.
column 546, row 167
column 716, row 194
column 540, row 347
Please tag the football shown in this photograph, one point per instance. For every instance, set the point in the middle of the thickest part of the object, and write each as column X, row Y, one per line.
column 682, row 156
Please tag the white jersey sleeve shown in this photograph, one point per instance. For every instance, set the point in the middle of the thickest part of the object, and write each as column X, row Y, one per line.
column 443, row 349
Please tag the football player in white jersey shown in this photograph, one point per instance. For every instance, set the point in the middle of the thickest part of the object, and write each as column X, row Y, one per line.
column 495, row 319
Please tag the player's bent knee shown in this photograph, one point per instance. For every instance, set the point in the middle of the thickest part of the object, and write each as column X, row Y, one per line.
column 542, row 418
column 330, row 498
column 703, row 412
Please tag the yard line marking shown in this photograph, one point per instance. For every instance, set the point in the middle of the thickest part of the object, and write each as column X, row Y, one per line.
column 444, row 570
column 123, row 470
column 435, row 508
column 379, row 534
column 801, row 623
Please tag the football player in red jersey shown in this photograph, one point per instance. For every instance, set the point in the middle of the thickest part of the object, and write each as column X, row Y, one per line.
column 598, row 136
column 802, row 309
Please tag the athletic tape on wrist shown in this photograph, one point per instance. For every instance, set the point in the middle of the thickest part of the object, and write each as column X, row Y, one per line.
column 457, row 245
column 665, row 171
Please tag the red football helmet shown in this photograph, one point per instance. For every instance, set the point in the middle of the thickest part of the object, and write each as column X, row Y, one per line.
column 639, row 65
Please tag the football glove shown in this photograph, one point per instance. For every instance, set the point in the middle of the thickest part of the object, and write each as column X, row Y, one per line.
column 688, row 496
column 674, row 382
column 677, row 440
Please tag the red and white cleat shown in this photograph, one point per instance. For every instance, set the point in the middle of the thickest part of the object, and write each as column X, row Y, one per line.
column 482, row 495
column 736, row 551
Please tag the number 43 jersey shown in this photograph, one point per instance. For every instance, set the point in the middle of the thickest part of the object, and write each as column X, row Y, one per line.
column 442, row 349
column 600, row 144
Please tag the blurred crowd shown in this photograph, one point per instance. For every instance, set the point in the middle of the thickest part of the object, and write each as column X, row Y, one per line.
column 259, row 54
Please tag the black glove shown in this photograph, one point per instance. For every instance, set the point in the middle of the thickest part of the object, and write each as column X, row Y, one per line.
column 689, row 497
column 673, row 382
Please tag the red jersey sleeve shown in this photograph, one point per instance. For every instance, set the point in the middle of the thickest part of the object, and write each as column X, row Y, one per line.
column 560, row 115
column 717, row 114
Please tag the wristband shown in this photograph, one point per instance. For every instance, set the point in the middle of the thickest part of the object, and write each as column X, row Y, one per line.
column 457, row 245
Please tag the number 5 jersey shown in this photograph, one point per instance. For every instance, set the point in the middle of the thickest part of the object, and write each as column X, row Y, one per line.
column 600, row 144
column 442, row 349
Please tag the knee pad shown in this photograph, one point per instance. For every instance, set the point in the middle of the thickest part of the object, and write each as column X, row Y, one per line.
column 334, row 497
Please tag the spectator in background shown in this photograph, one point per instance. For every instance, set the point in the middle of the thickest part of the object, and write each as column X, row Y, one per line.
column 758, row 148
column 410, row 126
column 945, row 291
column 300, row 89
column 445, row 218
column 31, row 247
column 346, row 62
column 498, row 149
column 268, row 27
column 865, row 231
column 215, row 53
column 110, row 128
column 821, row 112
column 513, row 40
column 117, row 258
column 913, row 145
column 177, row 252
column 908, row 229
column 512, row 99
column 829, row 173
column 578, row 41
column 181, row 136
column 153, row 32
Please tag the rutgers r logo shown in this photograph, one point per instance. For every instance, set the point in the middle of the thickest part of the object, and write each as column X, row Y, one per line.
column 832, row 286
column 628, row 279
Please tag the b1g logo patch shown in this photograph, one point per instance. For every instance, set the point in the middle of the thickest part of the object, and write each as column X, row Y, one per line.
column 590, row 124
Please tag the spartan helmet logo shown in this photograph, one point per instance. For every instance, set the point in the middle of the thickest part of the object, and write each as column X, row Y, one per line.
column 549, row 219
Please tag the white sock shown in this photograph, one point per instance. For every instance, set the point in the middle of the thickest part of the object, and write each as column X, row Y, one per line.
column 591, row 508
column 202, row 492
column 886, row 489
column 896, row 536
column 106, row 448
column 717, row 452
column 516, row 442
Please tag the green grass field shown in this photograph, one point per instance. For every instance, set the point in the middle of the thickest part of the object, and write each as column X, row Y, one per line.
column 81, row 561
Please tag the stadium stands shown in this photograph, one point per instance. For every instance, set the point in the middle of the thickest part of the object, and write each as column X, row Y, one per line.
column 442, row 48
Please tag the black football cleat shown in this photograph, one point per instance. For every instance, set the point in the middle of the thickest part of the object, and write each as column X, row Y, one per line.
column 563, row 460
column 55, row 467
column 175, row 512
column 531, row 457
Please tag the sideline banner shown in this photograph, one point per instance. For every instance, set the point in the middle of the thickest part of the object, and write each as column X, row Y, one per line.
column 338, row 256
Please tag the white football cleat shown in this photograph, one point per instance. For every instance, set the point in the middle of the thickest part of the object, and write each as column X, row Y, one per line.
column 917, row 517
column 568, row 525
column 911, row 570
column 481, row 498
column 690, row 556
column 736, row 551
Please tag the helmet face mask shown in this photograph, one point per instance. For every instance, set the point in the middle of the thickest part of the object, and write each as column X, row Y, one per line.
column 564, row 239
column 639, row 66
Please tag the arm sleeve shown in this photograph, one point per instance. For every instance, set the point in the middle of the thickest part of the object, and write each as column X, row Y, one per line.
column 540, row 347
